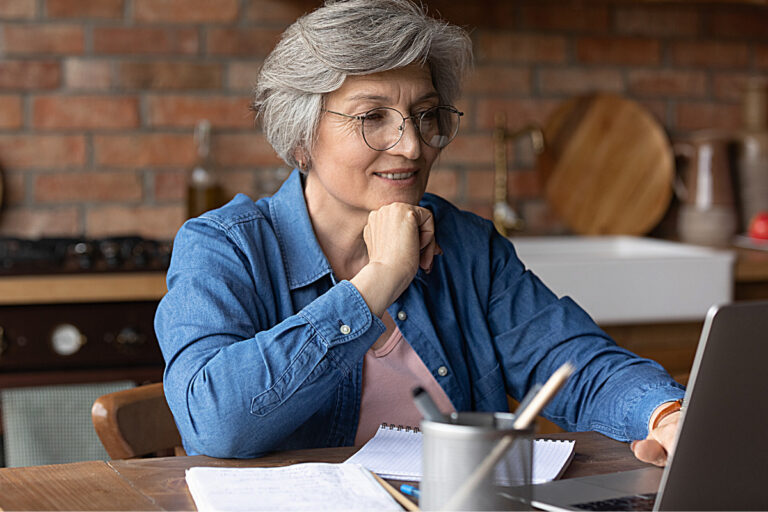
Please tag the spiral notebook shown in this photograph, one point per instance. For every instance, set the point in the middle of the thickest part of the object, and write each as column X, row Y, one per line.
column 395, row 452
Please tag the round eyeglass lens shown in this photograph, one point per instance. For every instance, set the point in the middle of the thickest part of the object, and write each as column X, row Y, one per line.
column 438, row 126
column 383, row 127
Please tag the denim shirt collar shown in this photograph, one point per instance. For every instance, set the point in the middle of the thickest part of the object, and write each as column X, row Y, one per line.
column 303, row 258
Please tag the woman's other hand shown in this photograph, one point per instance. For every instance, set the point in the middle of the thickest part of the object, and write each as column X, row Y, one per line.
column 400, row 238
column 660, row 443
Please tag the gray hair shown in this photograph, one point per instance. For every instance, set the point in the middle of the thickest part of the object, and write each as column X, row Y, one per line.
column 350, row 37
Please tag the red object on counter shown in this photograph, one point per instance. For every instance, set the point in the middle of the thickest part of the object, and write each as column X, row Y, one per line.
column 758, row 226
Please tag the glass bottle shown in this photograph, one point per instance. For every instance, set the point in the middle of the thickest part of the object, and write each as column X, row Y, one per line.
column 203, row 190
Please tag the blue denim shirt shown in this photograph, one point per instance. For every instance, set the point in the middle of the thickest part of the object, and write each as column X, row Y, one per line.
column 264, row 346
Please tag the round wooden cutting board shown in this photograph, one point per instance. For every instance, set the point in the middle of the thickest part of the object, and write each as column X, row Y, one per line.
column 607, row 167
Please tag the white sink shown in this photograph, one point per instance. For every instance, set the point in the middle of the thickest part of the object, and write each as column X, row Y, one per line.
column 624, row 279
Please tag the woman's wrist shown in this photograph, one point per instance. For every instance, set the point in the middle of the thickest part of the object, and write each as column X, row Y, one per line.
column 378, row 287
column 662, row 411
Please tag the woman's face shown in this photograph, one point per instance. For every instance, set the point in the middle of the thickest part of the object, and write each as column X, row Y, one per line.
column 346, row 175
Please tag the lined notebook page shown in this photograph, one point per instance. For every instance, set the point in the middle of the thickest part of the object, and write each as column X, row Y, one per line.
column 396, row 454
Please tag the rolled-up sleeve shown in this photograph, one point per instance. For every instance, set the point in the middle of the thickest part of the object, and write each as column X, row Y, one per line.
column 613, row 391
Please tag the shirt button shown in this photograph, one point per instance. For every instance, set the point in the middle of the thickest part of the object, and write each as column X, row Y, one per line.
column 442, row 371
column 402, row 315
column 345, row 329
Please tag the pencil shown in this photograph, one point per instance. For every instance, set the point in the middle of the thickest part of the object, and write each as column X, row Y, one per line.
column 405, row 502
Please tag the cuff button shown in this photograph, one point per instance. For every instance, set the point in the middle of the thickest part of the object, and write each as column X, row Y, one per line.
column 345, row 329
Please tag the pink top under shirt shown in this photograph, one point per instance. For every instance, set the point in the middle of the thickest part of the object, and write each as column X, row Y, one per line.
column 389, row 375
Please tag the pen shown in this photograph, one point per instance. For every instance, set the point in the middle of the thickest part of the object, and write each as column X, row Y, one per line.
column 409, row 490
column 426, row 406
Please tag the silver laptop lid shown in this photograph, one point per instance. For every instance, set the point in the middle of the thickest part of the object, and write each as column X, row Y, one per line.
column 720, row 462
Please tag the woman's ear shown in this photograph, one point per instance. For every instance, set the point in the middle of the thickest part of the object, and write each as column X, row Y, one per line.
column 302, row 159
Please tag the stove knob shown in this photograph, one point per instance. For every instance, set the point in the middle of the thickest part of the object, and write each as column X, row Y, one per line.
column 128, row 337
column 67, row 339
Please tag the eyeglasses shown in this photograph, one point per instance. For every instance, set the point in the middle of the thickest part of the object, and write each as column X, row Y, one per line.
column 383, row 127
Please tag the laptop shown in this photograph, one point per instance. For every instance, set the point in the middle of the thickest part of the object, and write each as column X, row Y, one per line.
column 721, row 458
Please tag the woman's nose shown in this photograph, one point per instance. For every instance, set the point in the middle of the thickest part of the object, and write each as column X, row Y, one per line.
column 410, row 142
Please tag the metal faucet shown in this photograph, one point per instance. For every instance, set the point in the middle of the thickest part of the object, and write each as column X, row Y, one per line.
column 505, row 218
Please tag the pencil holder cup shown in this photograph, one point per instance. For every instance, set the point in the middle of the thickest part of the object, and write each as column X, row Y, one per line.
column 451, row 452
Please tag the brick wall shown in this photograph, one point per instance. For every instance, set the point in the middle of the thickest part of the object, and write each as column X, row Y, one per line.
column 99, row 98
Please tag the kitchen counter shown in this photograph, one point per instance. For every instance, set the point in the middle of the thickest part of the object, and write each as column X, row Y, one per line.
column 750, row 276
column 78, row 288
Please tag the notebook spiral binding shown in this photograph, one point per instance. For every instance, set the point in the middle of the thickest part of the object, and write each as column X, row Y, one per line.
column 392, row 426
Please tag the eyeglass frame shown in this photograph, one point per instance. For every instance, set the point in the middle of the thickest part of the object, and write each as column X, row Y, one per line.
column 401, row 128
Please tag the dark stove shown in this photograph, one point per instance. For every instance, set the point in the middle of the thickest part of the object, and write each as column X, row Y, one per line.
column 76, row 255
column 47, row 341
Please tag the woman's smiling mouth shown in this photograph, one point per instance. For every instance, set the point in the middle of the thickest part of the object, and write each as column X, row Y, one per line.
column 395, row 175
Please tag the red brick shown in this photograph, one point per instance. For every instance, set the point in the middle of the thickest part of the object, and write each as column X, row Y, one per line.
column 761, row 56
column 708, row 54
column 653, row 20
column 742, row 22
column 144, row 40
column 170, row 185
column 580, row 80
column 618, row 50
column 667, row 82
column 473, row 14
column 469, row 149
column 42, row 151
column 657, row 109
column 29, row 74
column 444, row 182
column 14, row 189
column 730, row 86
column 185, row 11
column 29, row 223
column 88, row 186
column 104, row 9
column 243, row 150
column 221, row 111
column 518, row 112
column 523, row 184
column 85, row 74
column 47, row 39
column 159, row 222
column 242, row 42
column 17, row 9
column 278, row 11
column 565, row 16
column 509, row 47
column 479, row 185
column 242, row 75
column 482, row 208
column 144, row 150
column 85, row 112
column 10, row 112
column 696, row 116
column 169, row 75
column 499, row 80
column 235, row 182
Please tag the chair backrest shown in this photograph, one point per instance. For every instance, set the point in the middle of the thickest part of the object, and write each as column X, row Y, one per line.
column 136, row 422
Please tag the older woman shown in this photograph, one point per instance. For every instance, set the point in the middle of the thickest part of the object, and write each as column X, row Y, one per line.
column 305, row 319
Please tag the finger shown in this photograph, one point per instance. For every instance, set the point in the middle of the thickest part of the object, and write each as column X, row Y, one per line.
column 651, row 451
column 426, row 223
column 427, row 256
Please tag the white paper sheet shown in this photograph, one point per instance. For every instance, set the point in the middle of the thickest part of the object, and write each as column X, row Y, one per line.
column 311, row 486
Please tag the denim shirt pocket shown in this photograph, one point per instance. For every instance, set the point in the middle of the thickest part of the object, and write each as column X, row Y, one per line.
column 486, row 387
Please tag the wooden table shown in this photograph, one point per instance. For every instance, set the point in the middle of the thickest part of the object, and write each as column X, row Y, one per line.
column 158, row 484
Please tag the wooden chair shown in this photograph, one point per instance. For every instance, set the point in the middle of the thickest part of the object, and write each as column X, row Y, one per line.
column 136, row 423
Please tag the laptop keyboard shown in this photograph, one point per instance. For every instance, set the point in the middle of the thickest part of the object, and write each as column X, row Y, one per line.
column 637, row 502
